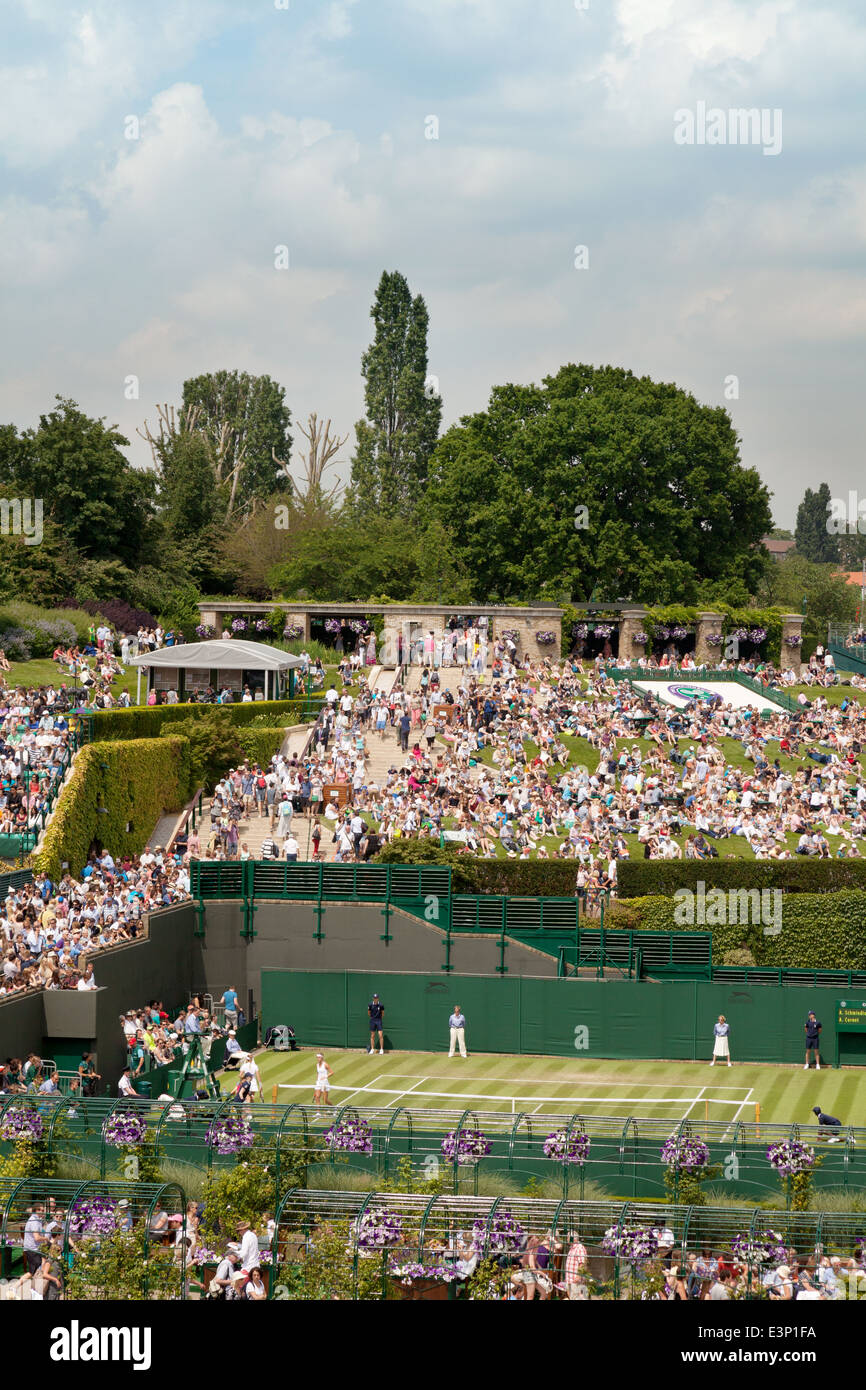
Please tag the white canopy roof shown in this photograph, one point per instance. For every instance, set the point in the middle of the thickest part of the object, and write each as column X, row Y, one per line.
column 220, row 655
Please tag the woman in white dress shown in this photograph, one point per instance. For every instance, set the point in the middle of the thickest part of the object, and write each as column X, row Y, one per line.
column 720, row 1046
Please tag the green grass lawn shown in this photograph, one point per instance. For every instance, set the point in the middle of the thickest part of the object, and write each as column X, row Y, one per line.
column 562, row 1085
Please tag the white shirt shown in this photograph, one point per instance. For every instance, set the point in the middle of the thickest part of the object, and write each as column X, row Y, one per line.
column 249, row 1251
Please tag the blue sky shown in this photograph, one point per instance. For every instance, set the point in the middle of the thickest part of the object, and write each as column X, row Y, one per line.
column 261, row 126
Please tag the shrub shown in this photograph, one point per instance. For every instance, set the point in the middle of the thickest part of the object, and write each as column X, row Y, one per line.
column 212, row 741
column 118, row 614
column 644, row 878
column 18, row 643
column 147, row 721
column 260, row 745
column 134, row 781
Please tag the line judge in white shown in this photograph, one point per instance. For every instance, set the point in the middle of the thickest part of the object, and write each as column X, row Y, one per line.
column 457, row 1024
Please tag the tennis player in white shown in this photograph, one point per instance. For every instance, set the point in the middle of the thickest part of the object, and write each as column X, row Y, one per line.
column 323, row 1082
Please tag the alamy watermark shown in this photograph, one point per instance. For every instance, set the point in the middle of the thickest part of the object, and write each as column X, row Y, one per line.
column 22, row 516
column 846, row 519
column 738, row 907
column 737, row 126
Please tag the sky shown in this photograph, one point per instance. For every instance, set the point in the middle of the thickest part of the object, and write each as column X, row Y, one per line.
column 154, row 157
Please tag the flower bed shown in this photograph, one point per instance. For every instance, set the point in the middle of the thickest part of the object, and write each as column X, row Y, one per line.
column 567, row 1148
column 470, row 1146
column 229, row 1135
column 350, row 1136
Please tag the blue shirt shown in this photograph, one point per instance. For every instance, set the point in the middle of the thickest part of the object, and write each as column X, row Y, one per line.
column 457, row 1021
column 721, row 1030
column 230, row 999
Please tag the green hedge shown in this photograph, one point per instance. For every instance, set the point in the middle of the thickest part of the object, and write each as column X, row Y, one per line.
column 818, row 932
column 638, row 878
column 260, row 745
column 519, row 878
column 134, row 780
column 145, row 721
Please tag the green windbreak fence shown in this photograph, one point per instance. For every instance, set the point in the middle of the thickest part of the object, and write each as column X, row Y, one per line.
column 556, row 926
column 548, row 1016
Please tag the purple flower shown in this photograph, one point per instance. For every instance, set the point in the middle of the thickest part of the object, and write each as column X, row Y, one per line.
column 204, row 630
column 714, row 639
column 760, row 1248
column 230, row 1135
column 685, row 1154
column 124, row 1128
column 567, row 1148
column 333, row 625
column 22, row 1122
column 93, row 1216
column 506, row 1233
column 470, row 1147
column 239, row 624
column 350, row 1136
column 633, row 1244
column 545, row 639
column 377, row 1228
column 790, row 1157
column 292, row 631
column 640, row 638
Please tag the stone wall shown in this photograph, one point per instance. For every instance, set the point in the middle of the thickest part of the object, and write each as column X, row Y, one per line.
column 792, row 626
column 706, row 653
column 633, row 620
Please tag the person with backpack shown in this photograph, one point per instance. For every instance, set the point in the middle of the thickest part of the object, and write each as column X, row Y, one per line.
column 260, row 790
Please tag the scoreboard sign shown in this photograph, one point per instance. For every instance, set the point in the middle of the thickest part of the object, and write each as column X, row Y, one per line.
column 851, row 1014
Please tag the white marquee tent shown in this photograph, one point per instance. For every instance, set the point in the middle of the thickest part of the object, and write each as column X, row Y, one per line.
column 219, row 664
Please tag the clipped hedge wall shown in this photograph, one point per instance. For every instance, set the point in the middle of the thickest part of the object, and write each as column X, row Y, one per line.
column 639, row 878
column 134, row 780
column 145, row 721
column 818, row 932
column 526, row 878
column 260, row 745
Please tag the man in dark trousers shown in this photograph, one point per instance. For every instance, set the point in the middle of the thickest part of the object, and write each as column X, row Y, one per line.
column 813, row 1040
column 828, row 1126
column 376, row 1010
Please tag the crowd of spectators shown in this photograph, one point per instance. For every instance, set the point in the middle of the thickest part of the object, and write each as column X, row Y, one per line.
column 50, row 933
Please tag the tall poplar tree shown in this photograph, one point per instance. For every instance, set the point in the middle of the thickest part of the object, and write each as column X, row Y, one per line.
column 396, row 439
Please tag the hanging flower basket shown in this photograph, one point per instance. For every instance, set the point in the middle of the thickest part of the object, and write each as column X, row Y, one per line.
column 790, row 1157
column 358, row 625
column 740, row 634
column 640, row 638
column 757, row 635
column 579, row 630
column 795, row 640
column 662, row 632
column 263, row 625
column 510, row 634
column 545, row 639
column 334, row 626
column 230, row 1135
column 567, row 1148
column 632, row 1244
column 124, row 1128
column 685, row 1154
column 603, row 630
column 471, row 1146
column 93, row 1216
column 714, row 639
column 762, row 1247
column 22, row 1122
column 505, row 1234
column 239, row 624
column 205, row 631
column 434, row 1273
column 679, row 633
column 378, row 1228
column 292, row 631
column 350, row 1136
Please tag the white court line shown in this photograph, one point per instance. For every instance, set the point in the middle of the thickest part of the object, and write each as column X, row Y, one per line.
column 371, row 1086
column 556, row 1100
column 737, row 1116
column 698, row 1097
column 410, row 1090
column 545, row 1080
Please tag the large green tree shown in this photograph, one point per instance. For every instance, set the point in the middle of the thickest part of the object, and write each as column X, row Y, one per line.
column 600, row 483
column 74, row 463
column 246, row 422
column 396, row 439
column 814, row 541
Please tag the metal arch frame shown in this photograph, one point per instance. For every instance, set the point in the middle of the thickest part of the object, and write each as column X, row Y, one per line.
column 422, row 1224
column 455, row 1162
column 386, row 1150
column 566, row 1167
column 621, row 1222
column 494, row 1207
column 280, row 1132
column 631, row 1123
column 63, row 1110
column 364, row 1207
column 512, row 1138
column 683, row 1130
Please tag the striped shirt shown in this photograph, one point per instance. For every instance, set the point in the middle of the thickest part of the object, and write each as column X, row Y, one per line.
column 575, row 1262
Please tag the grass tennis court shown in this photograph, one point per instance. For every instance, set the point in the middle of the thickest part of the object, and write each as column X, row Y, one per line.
column 550, row 1085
